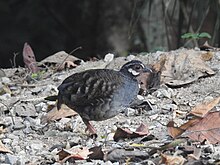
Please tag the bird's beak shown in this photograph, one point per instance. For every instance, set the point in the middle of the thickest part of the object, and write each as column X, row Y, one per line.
column 147, row 70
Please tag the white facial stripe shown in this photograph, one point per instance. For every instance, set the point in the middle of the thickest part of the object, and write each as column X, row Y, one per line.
column 142, row 65
column 133, row 72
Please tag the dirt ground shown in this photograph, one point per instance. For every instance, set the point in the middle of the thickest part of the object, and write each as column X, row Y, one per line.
column 30, row 141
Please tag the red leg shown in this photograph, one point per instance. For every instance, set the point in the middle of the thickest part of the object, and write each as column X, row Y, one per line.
column 90, row 127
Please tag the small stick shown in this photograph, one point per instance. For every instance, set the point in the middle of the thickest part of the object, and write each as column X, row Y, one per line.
column 67, row 57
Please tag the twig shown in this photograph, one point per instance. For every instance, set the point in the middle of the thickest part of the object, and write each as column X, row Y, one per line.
column 13, row 121
column 67, row 57
column 13, row 62
column 14, row 59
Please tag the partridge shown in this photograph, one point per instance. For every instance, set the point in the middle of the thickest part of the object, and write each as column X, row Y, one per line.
column 100, row 94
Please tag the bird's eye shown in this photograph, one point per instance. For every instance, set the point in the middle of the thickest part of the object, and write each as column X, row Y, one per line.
column 137, row 67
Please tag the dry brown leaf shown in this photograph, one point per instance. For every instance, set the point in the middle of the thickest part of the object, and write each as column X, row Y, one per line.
column 2, row 129
column 207, row 56
column 67, row 64
column 177, row 131
column 143, row 80
column 96, row 153
column 122, row 133
column 190, row 123
column 174, row 131
column 206, row 47
column 29, row 58
column 172, row 160
column 202, row 109
column 58, row 60
column 74, row 153
column 4, row 149
column 55, row 114
column 142, row 129
column 184, row 67
column 159, row 65
column 207, row 128
column 196, row 154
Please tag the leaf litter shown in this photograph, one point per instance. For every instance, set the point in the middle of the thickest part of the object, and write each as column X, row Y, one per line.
column 191, row 77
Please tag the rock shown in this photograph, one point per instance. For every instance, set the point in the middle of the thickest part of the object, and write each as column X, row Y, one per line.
column 5, row 97
column 12, row 159
column 5, row 80
column 17, row 148
column 217, row 55
column 18, row 123
column 130, row 111
column 13, row 137
column 38, row 146
column 7, row 121
column 109, row 57
column 3, row 159
column 7, row 141
column 170, row 107
column 163, row 93
column 130, row 57
column 41, row 107
column 25, row 109
column 2, row 73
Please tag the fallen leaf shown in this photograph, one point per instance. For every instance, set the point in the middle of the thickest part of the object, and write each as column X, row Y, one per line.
column 196, row 154
column 174, row 132
column 2, row 129
column 207, row 56
column 55, row 114
column 172, row 160
column 4, row 149
column 142, row 130
column 29, row 58
column 190, row 123
column 149, row 82
column 206, row 47
column 207, row 128
column 143, row 80
column 61, row 59
column 73, row 153
column 68, row 64
column 202, row 109
column 96, row 153
column 122, row 133
column 183, row 67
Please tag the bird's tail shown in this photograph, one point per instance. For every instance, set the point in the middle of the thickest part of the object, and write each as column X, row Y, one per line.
column 55, row 98
column 51, row 98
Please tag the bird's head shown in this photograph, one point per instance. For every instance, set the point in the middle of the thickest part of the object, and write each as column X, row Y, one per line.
column 134, row 68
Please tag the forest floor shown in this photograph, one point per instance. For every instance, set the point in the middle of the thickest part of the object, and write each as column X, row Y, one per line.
column 32, row 134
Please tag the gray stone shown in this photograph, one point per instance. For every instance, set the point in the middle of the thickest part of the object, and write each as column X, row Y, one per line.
column 170, row 107
column 25, row 109
column 12, row 159
column 5, row 80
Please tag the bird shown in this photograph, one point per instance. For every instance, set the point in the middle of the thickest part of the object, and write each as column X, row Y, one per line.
column 100, row 94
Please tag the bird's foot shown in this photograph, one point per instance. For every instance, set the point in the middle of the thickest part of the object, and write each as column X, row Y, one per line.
column 91, row 130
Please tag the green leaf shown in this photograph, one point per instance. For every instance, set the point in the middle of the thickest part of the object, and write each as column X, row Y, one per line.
column 204, row 35
column 190, row 35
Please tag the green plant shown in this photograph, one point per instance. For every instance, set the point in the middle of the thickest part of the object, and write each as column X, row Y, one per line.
column 196, row 35
column 37, row 75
